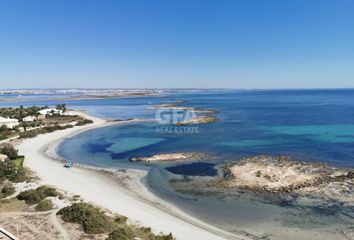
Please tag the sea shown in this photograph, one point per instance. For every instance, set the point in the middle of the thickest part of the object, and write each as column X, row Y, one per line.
column 309, row 125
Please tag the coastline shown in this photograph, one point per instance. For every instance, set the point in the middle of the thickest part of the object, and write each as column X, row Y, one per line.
column 101, row 187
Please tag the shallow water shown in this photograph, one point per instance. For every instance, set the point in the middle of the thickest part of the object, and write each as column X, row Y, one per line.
column 312, row 125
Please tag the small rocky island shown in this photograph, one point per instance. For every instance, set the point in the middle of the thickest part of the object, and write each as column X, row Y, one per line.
column 169, row 157
column 170, row 104
column 284, row 175
column 201, row 115
column 201, row 119
column 274, row 174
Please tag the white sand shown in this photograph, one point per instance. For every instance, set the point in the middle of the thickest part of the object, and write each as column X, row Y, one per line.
column 99, row 189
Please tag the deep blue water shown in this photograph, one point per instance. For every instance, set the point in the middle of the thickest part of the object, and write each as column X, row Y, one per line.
column 194, row 169
column 312, row 125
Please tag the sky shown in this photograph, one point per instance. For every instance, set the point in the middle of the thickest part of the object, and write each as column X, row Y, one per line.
column 177, row 44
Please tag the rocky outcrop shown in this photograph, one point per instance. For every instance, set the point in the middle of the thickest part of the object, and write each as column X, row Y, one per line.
column 198, row 115
column 204, row 119
column 171, row 104
column 169, row 157
column 279, row 174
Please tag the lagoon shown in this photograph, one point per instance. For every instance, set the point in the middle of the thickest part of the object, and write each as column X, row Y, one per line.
column 311, row 125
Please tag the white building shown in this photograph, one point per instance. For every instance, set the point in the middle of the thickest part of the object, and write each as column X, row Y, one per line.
column 8, row 122
column 51, row 111
column 29, row 119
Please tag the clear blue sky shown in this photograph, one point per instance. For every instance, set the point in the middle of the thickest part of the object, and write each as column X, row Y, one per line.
column 177, row 43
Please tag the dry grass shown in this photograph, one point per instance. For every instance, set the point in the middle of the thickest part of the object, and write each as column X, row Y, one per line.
column 75, row 231
column 29, row 226
column 13, row 205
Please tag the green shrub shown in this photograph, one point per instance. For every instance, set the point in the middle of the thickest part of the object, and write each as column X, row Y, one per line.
column 48, row 191
column 92, row 219
column 5, row 132
column 53, row 128
column 83, row 122
column 8, row 150
column 120, row 234
column 7, row 190
column 164, row 237
column 10, row 171
column 95, row 221
column 145, row 229
column 29, row 134
column 47, row 129
column 30, row 196
column 34, row 196
column 121, row 219
column 44, row 205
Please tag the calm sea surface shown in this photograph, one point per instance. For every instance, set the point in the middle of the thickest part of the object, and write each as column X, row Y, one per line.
column 312, row 125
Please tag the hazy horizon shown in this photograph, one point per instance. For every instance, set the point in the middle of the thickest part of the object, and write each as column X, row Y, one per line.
column 176, row 88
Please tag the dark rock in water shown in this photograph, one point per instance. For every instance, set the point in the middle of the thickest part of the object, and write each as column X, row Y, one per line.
column 194, row 169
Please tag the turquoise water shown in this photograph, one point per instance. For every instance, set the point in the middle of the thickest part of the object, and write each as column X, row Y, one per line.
column 322, row 133
column 312, row 125
column 253, row 143
column 131, row 143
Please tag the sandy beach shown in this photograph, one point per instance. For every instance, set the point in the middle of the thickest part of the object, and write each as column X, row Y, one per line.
column 131, row 199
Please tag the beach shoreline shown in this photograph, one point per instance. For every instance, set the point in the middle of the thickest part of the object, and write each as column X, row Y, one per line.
column 129, row 197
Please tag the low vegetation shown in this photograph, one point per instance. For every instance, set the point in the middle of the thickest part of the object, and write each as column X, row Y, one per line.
column 120, row 234
column 92, row 219
column 163, row 237
column 9, row 170
column 12, row 205
column 7, row 190
column 12, row 168
column 84, row 122
column 47, row 129
column 44, row 205
column 121, row 219
column 34, row 196
column 95, row 221
column 53, row 128
column 18, row 113
column 5, row 132
column 40, row 124
column 21, row 112
column 8, row 150
column 19, row 161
